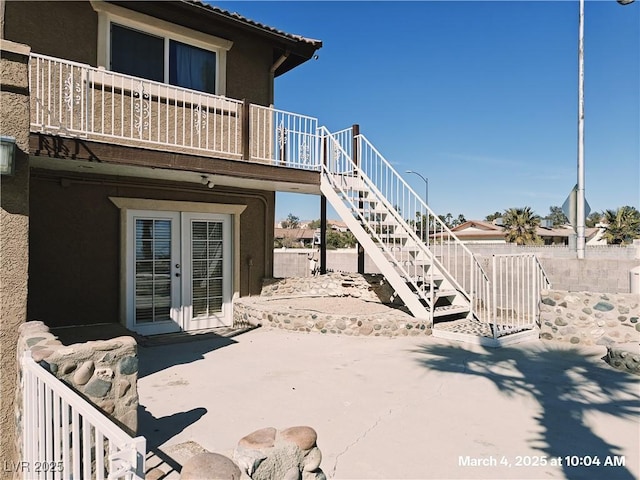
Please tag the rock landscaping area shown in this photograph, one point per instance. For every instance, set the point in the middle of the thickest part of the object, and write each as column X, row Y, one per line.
column 586, row 318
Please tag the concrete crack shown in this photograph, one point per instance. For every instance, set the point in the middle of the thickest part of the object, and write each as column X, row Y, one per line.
column 357, row 440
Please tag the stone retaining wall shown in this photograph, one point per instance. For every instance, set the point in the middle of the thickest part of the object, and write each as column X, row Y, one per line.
column 262, row 312
column 105, row 372
column 588, row 318
column 371, row 287
column 266, row 310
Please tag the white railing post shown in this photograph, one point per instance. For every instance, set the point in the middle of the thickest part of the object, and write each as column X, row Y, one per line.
column 494, row 293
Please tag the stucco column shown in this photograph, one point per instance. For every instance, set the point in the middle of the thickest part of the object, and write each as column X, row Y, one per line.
column 14, row 231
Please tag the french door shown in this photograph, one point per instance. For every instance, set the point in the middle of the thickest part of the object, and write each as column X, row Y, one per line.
column 178, row 271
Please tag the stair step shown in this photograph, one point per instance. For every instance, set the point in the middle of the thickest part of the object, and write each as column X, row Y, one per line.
column 447, row 310
column 376, row 208
column 446, row 293
column 351, row 183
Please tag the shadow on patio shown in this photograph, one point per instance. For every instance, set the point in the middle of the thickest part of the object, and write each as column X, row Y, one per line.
column 570, row 400
column 155, row 358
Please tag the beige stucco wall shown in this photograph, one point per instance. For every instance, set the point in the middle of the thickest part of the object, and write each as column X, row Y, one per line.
column 14, row 231
column 69, row 30
column 66, row 30
column 75, row 241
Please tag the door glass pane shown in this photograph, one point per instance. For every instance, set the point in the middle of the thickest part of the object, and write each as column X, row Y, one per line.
column 206, row 265
column 152, row 270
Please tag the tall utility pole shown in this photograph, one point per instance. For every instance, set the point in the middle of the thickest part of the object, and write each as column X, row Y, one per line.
column 580, row 220
column 580, row 198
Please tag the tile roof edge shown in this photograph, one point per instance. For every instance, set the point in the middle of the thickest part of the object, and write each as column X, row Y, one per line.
column 241, row 18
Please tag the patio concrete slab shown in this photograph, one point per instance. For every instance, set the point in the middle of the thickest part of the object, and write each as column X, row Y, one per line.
column 401, row 408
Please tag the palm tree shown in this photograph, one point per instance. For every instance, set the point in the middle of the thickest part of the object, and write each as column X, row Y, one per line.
column 520, row 225
column 623, row 225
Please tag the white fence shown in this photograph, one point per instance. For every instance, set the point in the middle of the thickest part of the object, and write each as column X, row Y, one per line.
column 516, row 282
column 65, row 437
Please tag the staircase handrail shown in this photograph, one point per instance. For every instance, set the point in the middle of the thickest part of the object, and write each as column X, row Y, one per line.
column 441, row 228
column 354, row 208
column 418, row 198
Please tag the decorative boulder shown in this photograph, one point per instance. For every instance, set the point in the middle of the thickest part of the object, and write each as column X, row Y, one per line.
column 210, row 466
column 290, row 454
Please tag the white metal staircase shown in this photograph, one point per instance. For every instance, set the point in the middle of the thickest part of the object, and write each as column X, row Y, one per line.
column 435, row 275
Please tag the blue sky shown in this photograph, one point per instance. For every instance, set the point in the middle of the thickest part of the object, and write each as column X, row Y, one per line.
column 480, row 97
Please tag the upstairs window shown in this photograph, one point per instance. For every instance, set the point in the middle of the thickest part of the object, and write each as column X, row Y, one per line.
column 136, row 53
column 142, row 46
column 143, row 55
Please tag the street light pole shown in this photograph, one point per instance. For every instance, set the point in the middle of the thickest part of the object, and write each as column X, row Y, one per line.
column 426, row 186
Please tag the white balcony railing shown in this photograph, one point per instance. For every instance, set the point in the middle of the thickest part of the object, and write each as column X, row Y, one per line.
column 65, row 437
column 283, row 138
column 77, row 100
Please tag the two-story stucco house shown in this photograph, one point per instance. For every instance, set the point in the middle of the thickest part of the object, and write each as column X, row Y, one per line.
column 152, row 173
column 147, row 160
column 143, row 154
column 140, row 158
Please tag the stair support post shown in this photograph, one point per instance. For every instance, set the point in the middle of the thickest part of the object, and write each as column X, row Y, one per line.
column 355, row 132
column 323, row 216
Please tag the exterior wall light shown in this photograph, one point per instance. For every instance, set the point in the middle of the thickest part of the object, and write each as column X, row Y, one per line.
column 7, row 155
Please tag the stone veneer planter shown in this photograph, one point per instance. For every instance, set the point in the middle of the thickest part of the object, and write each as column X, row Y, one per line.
column 588, row 318
column 338, row 303
column 105, row 372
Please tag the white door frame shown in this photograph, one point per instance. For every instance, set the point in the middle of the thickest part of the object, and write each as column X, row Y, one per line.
column 175, row 207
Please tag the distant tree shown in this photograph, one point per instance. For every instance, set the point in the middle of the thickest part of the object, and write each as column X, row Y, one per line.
column 493, row 216
column 593, row 219
column 349, row 240
column 459, row 221
column 623, row 225
column 446, row 219
column 291, row 222
column 557, row 216
column 520, row 226
column 314, row 224
column 337, row 239
column 451, row 222
column 420, row 225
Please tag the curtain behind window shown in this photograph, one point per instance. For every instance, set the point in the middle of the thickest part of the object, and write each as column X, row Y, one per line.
column 192, row 67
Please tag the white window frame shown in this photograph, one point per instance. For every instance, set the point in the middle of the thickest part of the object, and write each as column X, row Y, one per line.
column 108, row 14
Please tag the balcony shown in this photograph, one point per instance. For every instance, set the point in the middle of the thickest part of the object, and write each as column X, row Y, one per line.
column 75, row 100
